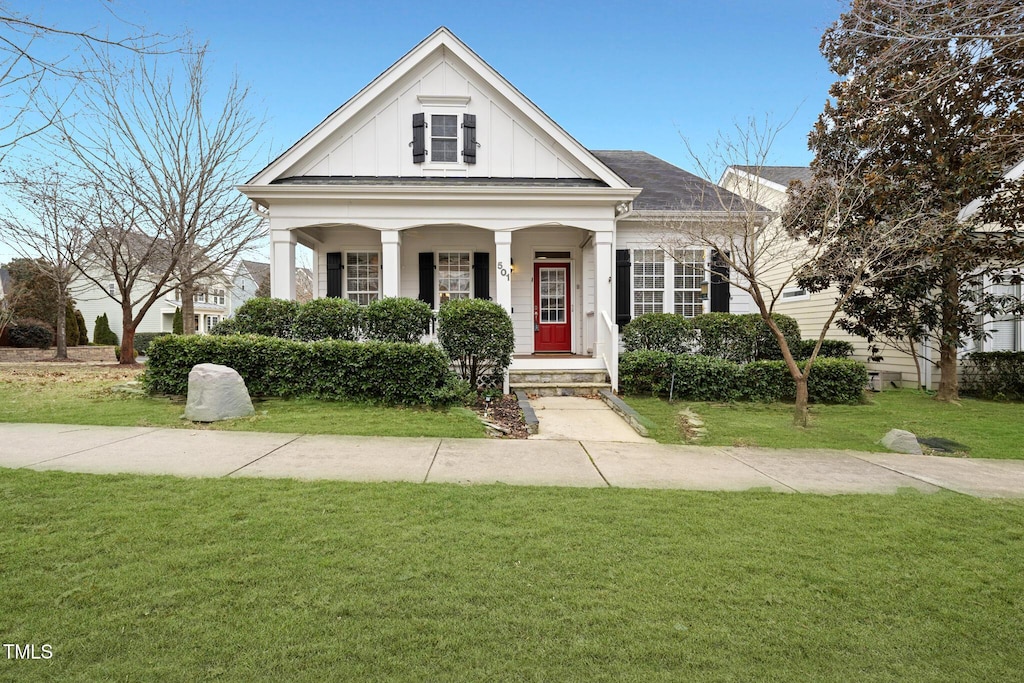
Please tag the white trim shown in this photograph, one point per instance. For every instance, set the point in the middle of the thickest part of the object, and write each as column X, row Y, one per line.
column 793, row 294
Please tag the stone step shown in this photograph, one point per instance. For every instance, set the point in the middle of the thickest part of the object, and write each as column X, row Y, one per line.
column 557, row 376
column 560, row 388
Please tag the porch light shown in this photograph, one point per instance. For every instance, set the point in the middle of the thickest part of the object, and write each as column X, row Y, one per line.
column 512, row 265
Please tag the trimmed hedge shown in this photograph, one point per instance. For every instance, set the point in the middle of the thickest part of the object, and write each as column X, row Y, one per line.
column 396, row 319
column 995, row 375
column 830, row 348
column 477, row 335
column 660, row 332
column 391, row 373
column 266, row 316
column 327, row 319
column 144, row 339
column 702, row 378
column 102, row 334
column 30, row 333
column 738, row 338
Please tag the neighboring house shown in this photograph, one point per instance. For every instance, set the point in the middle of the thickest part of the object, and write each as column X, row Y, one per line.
column 211, row 304
column 440, row 180
column 767, row 185
column 247, row 277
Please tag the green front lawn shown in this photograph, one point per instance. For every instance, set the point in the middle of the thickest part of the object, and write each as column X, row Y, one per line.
column 82, row 394
column 990, row 429
column 157, row 578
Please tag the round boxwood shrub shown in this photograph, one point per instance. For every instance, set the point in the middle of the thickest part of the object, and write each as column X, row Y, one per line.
column 30, row 333
column 397, row 319
column 477, row 335
column 266, row 316
column 660, row 332
column 330, row 318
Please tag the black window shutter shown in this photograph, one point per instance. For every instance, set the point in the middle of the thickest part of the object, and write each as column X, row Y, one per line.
column 481, row 275
column 469, row 138
column 623, row 278
column 427, row 277
column 334, row 274
column 719, row 285
column 419, row 139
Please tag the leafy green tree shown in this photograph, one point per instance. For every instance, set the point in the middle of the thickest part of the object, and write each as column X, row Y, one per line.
column 37, row 294
column 926, row 145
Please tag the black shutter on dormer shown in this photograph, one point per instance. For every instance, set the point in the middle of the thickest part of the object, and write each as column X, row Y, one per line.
column 419, row 138
column 469, row 138
column 719, row 284
column 623, row 277
column 427, row 277
column 334, row 269
column 481, row 275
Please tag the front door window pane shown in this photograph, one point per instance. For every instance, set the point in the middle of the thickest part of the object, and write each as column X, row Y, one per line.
column 552, row 295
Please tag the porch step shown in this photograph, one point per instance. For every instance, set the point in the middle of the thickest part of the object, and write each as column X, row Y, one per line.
column 577, row 382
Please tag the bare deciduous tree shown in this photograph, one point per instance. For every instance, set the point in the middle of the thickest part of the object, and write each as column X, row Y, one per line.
column 49, row 232
column 34, row 53
column 757, row 254
column 167, row 155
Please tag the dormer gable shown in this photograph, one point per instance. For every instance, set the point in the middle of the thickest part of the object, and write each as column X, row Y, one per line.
column 439, row 111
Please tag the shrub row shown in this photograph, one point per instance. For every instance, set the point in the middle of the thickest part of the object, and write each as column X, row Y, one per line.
column 994, row 375
column 144, row 339
column 738, row 338
column 394, row 319
column 704, row 378
column 388, row 372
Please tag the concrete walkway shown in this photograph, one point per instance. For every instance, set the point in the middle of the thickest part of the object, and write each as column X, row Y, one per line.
column 576, row 418
column 208, row 453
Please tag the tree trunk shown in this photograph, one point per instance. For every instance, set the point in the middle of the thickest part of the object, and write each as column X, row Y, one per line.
column 62, row 327
column 188, row 316
column 800, row 414
column 127, row 335
column 949, row 385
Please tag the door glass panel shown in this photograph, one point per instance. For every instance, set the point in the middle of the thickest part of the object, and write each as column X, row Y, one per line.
column 552, row 295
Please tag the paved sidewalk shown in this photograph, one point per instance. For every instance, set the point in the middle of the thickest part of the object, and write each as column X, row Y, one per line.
column 208, row 453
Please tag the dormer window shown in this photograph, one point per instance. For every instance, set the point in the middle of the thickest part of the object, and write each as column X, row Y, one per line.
column 444, row 137
column 443, row 133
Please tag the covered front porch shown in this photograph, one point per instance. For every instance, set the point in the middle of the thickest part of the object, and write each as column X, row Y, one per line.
column 555, row 280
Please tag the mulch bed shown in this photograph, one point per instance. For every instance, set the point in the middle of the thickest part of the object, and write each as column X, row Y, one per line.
column 503, row 411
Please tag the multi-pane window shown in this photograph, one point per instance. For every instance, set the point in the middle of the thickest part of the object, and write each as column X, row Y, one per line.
column 217, row 297
column 211, row 320
column 454, row 275
column 199, row 298
column 362, row 276
column 648, row 281
column 1006, row 329
column 444, row 137
column 689, row 276
column 552, row 295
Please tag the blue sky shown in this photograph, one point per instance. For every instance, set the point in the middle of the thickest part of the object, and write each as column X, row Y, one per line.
column 615, row 75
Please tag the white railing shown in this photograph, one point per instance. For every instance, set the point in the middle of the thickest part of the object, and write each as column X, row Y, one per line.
column 608, row 347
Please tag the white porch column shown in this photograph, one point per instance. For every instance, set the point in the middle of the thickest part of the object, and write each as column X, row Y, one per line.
column 282, row 264
column 607, row 345
column 503, row 267
column 391, row 262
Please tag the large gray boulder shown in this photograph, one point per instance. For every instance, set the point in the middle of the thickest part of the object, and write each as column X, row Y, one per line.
column 901, row 441
column 216, row 392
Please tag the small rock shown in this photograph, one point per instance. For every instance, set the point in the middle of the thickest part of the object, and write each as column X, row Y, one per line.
column 216, row 392
column 901, row 441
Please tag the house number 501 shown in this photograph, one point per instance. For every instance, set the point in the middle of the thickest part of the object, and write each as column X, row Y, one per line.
column 503, row 271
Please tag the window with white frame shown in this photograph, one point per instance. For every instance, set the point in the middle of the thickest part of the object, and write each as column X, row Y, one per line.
column 687, row 281
column 112, row 288
column 199, row 298
column 1006, row 330
column 795, row 294
column 362, row 276
column 444, row 137
column 648, row 281
column 454, row 275
column 217, row 297
column 211, row 320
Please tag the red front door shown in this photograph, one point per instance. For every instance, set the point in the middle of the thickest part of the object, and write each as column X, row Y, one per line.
column 551, row 307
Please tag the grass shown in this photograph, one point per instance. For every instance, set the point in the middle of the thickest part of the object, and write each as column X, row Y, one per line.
column 71, row 393
column 989, row 429
column 157, row 578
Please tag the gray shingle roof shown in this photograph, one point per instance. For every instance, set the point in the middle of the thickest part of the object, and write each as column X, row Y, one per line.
column 666, row 187
column 783, row 175
column 257, row 270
